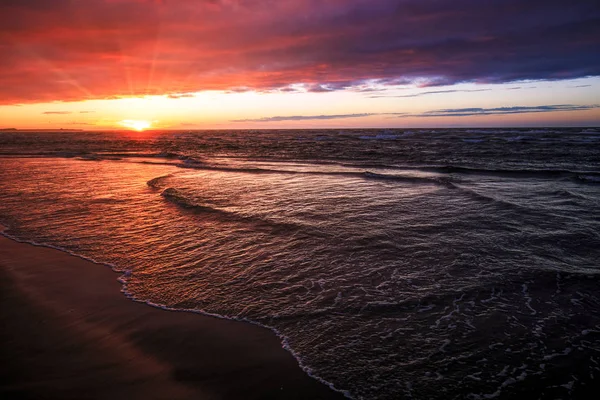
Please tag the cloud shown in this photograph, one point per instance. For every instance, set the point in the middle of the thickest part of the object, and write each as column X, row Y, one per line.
column 66, row 112
column 180, row 95
column 73, row 50
column 451, row 112
column 437, row 92
column 320, row 88
column 470, row 112
column 288, row 89
column 305, row 117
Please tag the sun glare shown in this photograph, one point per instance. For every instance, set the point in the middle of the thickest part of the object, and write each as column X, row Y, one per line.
column 136, row 125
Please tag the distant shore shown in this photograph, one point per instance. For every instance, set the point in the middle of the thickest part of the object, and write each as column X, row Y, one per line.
column 68, row 332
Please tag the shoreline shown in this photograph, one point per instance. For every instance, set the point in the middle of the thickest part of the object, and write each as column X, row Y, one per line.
column 74, row 337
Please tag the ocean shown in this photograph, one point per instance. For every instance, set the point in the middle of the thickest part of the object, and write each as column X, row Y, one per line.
column 418, row 264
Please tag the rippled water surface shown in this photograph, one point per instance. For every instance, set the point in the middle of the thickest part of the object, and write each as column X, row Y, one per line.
column 399, row 264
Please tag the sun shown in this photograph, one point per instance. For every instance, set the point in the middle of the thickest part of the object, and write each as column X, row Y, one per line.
column 136, row 124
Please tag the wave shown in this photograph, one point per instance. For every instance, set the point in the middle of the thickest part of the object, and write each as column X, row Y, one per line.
column 443, row 181
column 255, row 170
column 365, row 174
column 158, row 182
column 492, row 200
column 526, row 173
column 179, row 198
column 451, row 169
column 95, row 157
column 381, row 137
column 473, row 140
column 487, row 131
column 589, row 178
column 90, row 155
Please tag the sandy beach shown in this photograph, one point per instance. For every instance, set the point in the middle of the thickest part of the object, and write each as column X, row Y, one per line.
column 69, row 333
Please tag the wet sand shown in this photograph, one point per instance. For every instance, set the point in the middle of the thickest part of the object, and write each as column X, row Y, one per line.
column 68, row 332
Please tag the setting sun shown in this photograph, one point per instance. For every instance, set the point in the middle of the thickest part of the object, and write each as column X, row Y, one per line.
column 138, row 125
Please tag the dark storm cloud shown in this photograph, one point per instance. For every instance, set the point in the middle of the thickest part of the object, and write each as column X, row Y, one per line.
column 66, row 50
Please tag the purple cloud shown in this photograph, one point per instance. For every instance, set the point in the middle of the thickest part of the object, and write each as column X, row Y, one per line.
column 437, row 92
column 470, row 112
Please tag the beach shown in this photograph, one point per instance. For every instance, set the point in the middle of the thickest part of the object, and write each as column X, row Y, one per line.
column 68, row 332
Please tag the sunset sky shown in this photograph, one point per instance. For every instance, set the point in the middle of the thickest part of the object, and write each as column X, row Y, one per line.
column 221, row 64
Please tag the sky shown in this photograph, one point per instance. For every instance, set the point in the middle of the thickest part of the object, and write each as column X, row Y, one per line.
column 253, row 64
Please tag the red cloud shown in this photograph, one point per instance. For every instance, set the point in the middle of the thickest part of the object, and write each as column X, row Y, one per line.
column 65, row 50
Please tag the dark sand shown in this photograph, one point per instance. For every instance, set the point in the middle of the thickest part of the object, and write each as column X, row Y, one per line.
column 67, row 332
